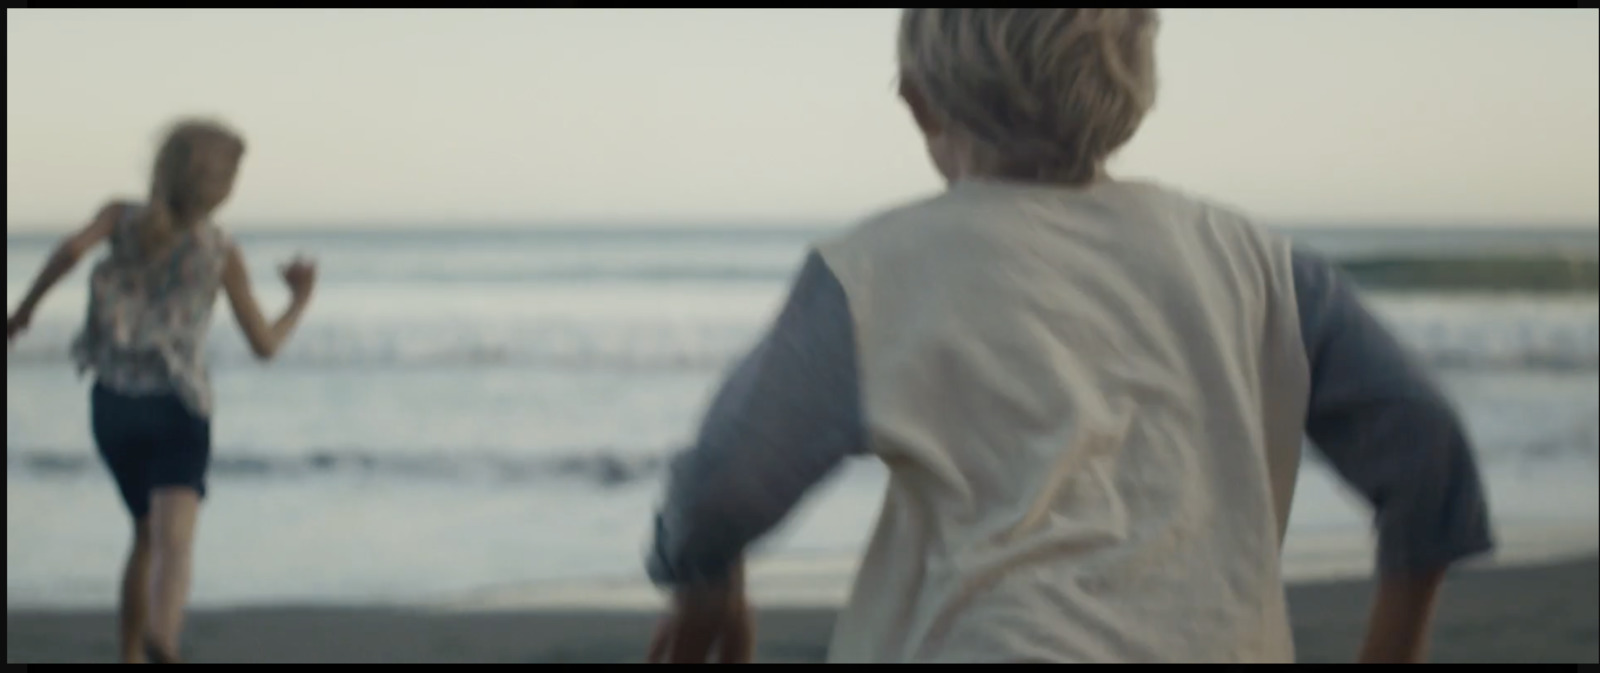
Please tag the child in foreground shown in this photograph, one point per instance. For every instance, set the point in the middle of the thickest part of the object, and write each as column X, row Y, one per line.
column 1090, row 393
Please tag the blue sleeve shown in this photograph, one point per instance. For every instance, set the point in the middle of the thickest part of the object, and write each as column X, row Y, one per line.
column 786, row 416
column 1387, row 429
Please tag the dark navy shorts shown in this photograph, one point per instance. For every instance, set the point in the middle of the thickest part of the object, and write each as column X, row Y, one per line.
column 150, row 442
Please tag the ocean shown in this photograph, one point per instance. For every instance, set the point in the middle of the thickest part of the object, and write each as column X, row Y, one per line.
column 481, row 416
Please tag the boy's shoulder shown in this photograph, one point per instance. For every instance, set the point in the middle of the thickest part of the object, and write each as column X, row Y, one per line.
column 959, row 206
column 1219, row 216
column 922, row 208
column 918, row 221
column 1178, row 199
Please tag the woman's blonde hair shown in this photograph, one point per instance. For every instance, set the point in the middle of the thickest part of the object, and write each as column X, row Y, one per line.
column 184, row 189
column 1037, row 94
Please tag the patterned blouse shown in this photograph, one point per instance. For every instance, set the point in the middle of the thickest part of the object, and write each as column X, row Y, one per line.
column 147, row 318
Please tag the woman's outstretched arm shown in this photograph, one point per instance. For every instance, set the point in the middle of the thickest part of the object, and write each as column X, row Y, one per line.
column 62, row 261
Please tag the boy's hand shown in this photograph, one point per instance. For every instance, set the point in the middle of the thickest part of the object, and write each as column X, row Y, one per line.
column 704, row 617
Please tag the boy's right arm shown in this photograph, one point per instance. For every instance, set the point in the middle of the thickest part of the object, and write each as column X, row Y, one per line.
column 1390, row 433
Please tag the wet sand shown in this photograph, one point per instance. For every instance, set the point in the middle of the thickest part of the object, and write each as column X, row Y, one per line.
column 1532, row 614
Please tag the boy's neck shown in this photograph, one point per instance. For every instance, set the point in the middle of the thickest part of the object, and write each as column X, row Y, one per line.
column 975, row 176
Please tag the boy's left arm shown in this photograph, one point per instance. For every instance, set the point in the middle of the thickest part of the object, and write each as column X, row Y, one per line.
column 785, row 418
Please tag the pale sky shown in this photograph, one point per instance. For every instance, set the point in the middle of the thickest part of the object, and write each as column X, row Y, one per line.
column 778, row 115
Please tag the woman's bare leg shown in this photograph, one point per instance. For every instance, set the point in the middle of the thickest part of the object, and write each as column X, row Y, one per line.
column 173, row 513
column 135, row 604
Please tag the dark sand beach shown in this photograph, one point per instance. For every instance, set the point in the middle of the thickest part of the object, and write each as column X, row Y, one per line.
column 1544, row 614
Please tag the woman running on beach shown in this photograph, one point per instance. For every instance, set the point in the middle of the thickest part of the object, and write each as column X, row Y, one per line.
column 149, row 310
column 1090, row 394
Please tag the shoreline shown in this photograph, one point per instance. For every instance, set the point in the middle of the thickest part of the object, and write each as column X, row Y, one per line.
column 822, row 580
column 1526, row 613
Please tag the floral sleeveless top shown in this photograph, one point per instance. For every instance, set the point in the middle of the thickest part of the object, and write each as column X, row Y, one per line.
column 147, row 318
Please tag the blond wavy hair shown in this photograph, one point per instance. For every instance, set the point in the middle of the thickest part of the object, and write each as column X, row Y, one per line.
column 193, row 174
column 1033, row 94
